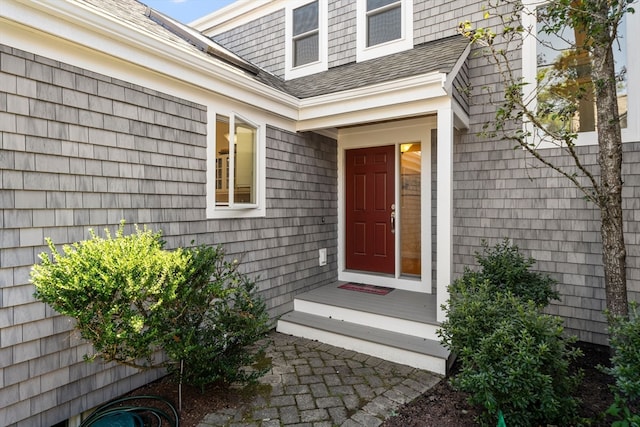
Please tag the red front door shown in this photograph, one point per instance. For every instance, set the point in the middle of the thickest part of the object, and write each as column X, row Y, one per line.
column 370, row 195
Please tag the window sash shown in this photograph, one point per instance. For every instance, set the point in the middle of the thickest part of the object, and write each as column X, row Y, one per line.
column 305, row 18
column 306, row 34
column 384, row 25
column 306, row 49
column 236, row 175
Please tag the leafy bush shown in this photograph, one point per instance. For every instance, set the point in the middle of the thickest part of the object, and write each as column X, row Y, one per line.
column 115, row 288
column 131, row 297
column 213, row 320
column 506, row 269
column 513, row 358
column 625, row 369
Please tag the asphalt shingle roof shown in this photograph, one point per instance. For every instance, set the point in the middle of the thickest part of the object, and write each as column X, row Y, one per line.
column 439, row 55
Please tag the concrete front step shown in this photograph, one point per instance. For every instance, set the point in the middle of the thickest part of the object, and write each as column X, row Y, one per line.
column 396, row 347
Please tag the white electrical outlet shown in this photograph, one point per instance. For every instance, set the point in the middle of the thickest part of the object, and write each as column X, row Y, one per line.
column 322, row 256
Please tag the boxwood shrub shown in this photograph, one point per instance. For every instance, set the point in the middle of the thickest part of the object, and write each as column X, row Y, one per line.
column 513, row 358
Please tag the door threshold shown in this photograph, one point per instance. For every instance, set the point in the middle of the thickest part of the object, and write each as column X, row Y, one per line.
column 386, row 280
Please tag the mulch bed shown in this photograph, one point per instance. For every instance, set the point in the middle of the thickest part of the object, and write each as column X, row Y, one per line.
column 441, row 406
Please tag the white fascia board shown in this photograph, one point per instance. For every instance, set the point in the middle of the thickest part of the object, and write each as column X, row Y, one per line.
column 448, row 84
column 399, row 111
column 101, row 32
column 235, row 14
column 400, row 98
column 460, row 117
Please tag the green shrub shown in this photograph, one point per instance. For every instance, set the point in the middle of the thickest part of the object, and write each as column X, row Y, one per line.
column 507, row 269
column 131, row 297
column 513, row 358
column 625, row 367
column 213, row 321
column 115, row 288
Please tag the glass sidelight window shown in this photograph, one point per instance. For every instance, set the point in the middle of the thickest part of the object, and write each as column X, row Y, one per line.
column 410, row 209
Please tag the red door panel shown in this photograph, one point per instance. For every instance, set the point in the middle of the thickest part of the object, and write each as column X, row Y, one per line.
column 370, row 192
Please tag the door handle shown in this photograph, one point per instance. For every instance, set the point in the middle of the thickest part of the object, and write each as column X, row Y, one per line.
column 393, row 218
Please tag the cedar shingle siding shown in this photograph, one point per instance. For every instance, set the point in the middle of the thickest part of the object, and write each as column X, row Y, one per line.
column 81, row 150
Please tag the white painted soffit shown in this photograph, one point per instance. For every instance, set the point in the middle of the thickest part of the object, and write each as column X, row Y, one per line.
column 88, row 26
column 403, row 98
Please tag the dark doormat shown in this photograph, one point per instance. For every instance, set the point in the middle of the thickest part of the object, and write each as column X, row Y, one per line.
column 369, row 289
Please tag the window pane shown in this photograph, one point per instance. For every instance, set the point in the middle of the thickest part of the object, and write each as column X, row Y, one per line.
column 410, row 209
column 564, row 79
column 375, row 4
column 384, row 26
column 222, row 161
column 305, row 18
column 305, row 50
column 245, row 152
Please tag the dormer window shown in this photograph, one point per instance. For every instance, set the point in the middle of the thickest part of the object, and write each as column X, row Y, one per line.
column 383, row 27
column 306, row 35
column 384, row 21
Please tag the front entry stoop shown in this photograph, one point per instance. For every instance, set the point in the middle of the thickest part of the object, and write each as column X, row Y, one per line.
column 400, row 326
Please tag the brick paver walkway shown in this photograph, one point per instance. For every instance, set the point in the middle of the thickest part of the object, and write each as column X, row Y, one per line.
column 311, row 384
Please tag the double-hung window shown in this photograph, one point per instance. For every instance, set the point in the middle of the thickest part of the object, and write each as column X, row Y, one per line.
column 384, row 27
column 306, row 35
column 236, row 168
column 561, row 71
column 384, row 21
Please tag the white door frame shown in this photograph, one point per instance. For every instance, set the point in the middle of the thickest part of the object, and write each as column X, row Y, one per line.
column 390, row 133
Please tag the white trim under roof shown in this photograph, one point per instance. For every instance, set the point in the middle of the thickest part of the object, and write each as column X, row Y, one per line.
column 412, row 96
column 88, row 26
column 236, row 14
column 93, row 29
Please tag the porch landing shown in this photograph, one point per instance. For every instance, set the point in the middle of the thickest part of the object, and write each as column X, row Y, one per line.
column 400, row 326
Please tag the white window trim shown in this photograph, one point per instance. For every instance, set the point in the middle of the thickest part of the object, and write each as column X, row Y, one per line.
column 291, row 72
column 405, row 42
column 240, row 210
column 529, row 70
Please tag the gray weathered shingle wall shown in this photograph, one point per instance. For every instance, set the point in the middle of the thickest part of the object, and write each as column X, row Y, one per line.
column 260, row 42
column 81, row 150
column 498, row 193
column 342, row 33
column 501, row 193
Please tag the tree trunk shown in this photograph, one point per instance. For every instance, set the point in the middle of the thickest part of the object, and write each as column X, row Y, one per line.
column 610, row 162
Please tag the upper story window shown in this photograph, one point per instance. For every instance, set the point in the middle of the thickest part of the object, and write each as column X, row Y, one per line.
column 306, row 38
column 306, row 34
column 384, row 27
column 562, row 72
column 236, row 172
column 384, row 21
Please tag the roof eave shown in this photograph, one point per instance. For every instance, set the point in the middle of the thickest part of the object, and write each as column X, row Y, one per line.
column 407, row 97
column 89, row 27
